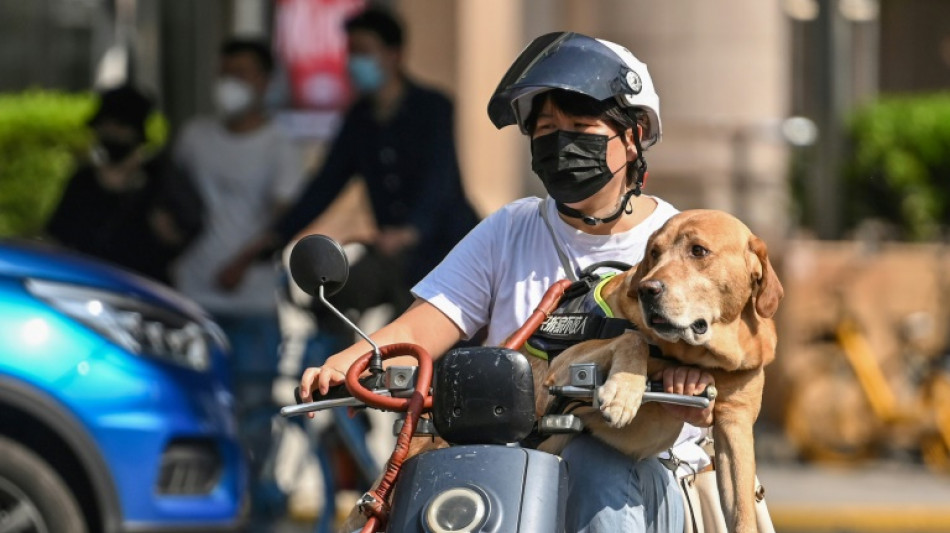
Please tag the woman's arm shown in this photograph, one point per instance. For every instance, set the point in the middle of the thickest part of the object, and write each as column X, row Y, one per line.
column 421, row 324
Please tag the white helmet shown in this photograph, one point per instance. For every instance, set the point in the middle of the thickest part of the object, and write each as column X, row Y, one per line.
column 575, row 62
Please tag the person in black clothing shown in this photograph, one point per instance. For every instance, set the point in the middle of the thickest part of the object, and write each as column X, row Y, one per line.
column 399, row 136
column 121, row 206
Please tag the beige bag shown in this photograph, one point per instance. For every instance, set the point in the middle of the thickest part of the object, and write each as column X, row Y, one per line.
column 703, row 510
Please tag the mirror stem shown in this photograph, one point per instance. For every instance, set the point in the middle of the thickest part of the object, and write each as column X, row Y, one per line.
column 376, row 362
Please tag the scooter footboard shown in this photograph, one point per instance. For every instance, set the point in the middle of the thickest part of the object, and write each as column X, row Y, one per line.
column 480, row 488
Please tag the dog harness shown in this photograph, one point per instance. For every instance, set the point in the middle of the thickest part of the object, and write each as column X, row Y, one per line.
column 582, row 315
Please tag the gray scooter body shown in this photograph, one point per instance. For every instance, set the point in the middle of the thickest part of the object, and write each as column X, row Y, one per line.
column 524, row 490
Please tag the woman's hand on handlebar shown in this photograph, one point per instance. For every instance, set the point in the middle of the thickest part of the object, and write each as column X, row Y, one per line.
column 421, row 324
column 690, row 381
column 319, row 379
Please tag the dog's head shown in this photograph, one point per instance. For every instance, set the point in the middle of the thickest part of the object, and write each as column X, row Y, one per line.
column 704, row 272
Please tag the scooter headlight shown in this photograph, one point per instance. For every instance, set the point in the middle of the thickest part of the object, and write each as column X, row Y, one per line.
column 456, row 510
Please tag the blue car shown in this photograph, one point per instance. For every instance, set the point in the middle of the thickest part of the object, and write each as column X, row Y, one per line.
column 115, row 407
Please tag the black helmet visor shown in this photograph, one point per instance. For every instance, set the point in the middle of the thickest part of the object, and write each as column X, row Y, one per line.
column 561, row 60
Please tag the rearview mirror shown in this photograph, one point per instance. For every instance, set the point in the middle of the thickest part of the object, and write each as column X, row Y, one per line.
column 318, row 260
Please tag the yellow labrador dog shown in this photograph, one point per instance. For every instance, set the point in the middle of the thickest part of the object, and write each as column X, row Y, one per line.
column 705, row 293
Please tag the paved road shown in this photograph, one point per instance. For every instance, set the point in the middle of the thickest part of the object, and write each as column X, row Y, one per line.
column 880, row 497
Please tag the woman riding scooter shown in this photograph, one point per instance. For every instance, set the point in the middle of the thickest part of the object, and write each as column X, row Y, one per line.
column 589, row 109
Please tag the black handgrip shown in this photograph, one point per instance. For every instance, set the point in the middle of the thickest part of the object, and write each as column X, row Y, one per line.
column 709, row 393
column 372, row 382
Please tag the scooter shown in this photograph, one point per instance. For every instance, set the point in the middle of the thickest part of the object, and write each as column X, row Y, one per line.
column 480, row 400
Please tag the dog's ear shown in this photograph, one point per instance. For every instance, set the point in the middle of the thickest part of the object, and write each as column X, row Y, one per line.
column 768, row 289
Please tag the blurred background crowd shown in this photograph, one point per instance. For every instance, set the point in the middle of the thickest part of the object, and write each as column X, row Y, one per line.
column 186, row 140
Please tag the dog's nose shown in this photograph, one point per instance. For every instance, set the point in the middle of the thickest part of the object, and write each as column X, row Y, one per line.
column 651, row 288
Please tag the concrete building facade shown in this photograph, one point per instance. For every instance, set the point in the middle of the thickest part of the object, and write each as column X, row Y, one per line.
column 722, row 71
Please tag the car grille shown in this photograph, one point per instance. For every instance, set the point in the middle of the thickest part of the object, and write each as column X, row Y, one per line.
column 189, row 467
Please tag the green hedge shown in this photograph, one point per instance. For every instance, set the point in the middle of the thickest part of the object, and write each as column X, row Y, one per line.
column 900, row 169
column 41, row 135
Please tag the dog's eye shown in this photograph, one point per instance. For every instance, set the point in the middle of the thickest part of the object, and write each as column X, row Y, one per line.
column 654, row 253
column 698, row 251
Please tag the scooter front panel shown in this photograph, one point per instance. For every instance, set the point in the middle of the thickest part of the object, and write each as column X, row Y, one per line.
column 521, row 491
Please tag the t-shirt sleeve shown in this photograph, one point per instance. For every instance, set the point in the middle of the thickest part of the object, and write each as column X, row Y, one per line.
column 289, row 171
column 462, row 285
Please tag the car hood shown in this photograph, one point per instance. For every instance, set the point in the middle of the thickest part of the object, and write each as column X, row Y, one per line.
column 38, row 260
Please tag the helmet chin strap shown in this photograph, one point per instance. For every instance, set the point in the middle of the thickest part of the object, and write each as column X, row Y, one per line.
column 622, row 207
column 624, row 204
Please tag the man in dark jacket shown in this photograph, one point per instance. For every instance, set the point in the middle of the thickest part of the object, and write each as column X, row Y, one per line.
column 399, row 137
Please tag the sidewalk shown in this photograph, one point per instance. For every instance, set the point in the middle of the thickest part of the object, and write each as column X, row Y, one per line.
column 877, row 497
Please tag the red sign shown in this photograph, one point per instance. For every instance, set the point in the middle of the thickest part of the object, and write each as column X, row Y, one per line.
column 311, row 42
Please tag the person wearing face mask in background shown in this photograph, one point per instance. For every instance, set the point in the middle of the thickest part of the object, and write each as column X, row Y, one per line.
column 399, row 137
column 247, row 172
column 126, row 205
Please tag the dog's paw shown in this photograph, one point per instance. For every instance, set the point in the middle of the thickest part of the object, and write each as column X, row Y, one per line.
column 619, row 398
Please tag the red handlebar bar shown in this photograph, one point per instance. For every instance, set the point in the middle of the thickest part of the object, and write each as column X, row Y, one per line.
column 423, row 377
column 377, row 510
column 545, row 307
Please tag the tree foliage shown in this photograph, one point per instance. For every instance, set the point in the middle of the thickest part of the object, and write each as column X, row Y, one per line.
column 42, row 133
column 900, row 168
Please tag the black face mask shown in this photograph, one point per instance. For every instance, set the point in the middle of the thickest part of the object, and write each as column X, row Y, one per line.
column 572, row 165
column 117, row 151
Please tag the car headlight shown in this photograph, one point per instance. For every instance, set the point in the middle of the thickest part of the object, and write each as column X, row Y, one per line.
column 137, row 326
column 456, row 510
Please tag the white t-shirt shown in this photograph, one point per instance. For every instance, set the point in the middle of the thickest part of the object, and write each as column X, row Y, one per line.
column 498, row 274
column 241, row 178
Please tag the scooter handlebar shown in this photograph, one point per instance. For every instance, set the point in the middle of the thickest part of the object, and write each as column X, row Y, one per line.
column 372, row 382
column 654, row 393
column 337, row 396
column 710, row 392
